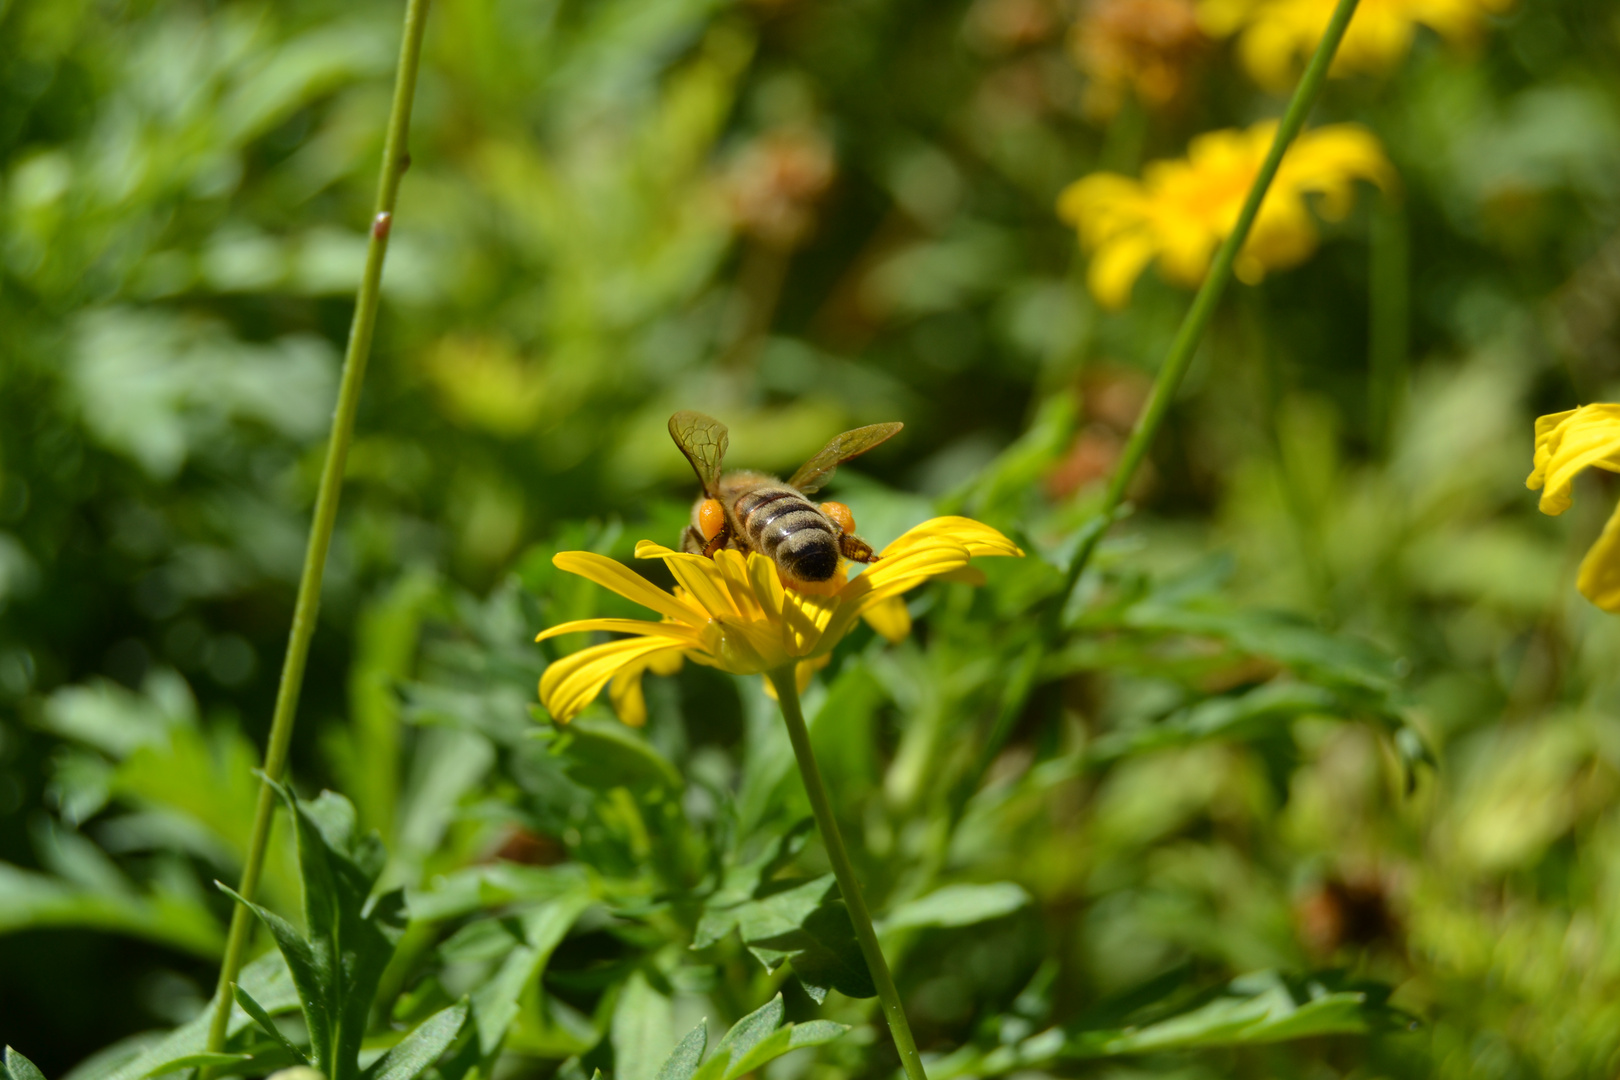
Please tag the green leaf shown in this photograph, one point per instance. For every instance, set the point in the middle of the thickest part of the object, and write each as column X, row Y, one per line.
column 495, row 1001
column 783, row 1041
column 807, row 924
column 309, row 974
column 31, row 900
column 688, row 1053
column 18, row 1067
column 351, row 937
column 267, row 1025
column 412, row 1055
column 1255, row 1009
column 958, row 905
column 202, row 1059
column 752, row 1029
column 605, row 754
column 752, row 1042
column 1256, row 712
column 366, row 753
column 266, row 978
column 473, row 888
column 641, row 1029
column 1290, row 640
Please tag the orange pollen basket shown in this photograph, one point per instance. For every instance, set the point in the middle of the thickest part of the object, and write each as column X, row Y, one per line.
column 711, row 518
column 840, row 513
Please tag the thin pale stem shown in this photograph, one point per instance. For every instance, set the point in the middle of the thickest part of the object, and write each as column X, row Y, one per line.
column 1185, row 345
column 787, row 694
column 395, row 161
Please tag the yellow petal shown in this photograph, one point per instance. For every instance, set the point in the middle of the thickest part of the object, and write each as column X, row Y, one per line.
column 733, row 570
column 1599, row 578
column 904, row 571
column 703, row 583
column 1568, row 442
column 620, row 626
column 666, row 663
column 1116, row 266
column 625, row 694
column 977, row 537
column 889, row 618
column 804, row 617
column 647, row 549
column 767, row 585
column 891, row 577
column 617, row 577
column 571, row 683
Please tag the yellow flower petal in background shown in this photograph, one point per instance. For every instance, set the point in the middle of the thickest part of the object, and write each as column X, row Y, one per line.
column 1181, row 210
column 732, row 612
column 1275, row 37
column 1599, row 577
column 1566, row 444
column 1569, row 442
column 890, row 619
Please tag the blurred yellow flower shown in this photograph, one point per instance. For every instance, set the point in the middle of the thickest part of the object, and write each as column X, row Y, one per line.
column 1181, row 210
column 1275, row 37
column 1566, row 443
column 732, row 612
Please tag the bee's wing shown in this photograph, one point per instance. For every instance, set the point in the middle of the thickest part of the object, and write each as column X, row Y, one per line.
column 819, row 469
column 703, row 440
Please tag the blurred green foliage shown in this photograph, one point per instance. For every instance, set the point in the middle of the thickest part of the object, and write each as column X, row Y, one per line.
column 1194, row 835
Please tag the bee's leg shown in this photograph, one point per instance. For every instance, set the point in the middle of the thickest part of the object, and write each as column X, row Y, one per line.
column 720, row 540
column 855, row 549
column 692, row 541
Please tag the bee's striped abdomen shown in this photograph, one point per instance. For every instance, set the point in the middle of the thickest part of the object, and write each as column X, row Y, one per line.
column 783, row 525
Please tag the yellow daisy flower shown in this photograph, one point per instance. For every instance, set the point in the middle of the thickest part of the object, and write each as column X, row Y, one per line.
column 1276, row 37
column 733, row 613
column 1181, row 210
column 1566, row 443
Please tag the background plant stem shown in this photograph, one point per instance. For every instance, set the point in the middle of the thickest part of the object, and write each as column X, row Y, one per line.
column 394, row 163
column 787, row 694
column 1197, row 319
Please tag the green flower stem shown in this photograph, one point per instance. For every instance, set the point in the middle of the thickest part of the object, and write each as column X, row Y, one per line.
column 787, row 694
column 395, row 160
column 1197, row 319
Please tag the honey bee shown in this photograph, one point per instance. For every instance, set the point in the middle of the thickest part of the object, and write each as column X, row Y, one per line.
column 750, row 511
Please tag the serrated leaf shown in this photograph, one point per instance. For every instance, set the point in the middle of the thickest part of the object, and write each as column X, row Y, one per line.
column 783, row 1041
column 752, row 1029
column 958, row 905
column 18, row 1067
column 415, row 1053
column 688, row 1053
column 807, row 924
